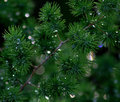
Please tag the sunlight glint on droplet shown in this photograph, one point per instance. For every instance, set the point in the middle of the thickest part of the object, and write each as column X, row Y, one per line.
column 91, row 56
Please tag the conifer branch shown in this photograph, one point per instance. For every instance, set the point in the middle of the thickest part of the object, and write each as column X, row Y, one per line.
column 37, row 67
column 101, row 30
column 58, row 37
column 98, row 37
column 33, row 85
column 93, row 23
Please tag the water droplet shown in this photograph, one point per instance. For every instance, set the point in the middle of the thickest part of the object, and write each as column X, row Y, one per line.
column 8, row 88
column 59, row 49
column 48, row 52
column 106, row 33
column 55, row 35
column 27, row 15
column 95, row 19
column 24, row 26
column 116, row 31
column 1, row 78
column 33, row 42
column 6, row 83
column 90, row 13
column 47, row 97
column 6, row 61
column 36, row 91
column 55, row 31
column 29, row 37
column 76, row 55
column 93, row 26
column 72, row 96
column 105, row 97
column 5, row 0
column 99, row 13
column 91, row 56
column 18, row 42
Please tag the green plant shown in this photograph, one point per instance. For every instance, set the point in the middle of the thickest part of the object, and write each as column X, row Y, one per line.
column 56, row 63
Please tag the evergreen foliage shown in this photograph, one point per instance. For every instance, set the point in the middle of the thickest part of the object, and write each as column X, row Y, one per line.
column 13, row 12
column 12, row 95
column 81, row 39
column 16, row 46
column 79, row 7
column 52, row 61
column 51, row 16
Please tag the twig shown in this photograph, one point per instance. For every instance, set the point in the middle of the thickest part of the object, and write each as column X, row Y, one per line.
column 93, row 23
column 33, row 85
column 37, row 67
column 101, row 30
column 58, row 37
column 59, row 46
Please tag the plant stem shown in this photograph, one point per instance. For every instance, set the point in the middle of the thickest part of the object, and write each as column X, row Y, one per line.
column 37, row 67
column 93, row 23
column 58, row 37
column 59, row 46
column 33, row 85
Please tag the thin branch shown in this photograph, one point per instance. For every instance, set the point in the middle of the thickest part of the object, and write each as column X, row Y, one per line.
column 59, row 46
column 58, row 37
column 37, row 67
column 93, row 23
column 100, row 30
column 33, row 85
